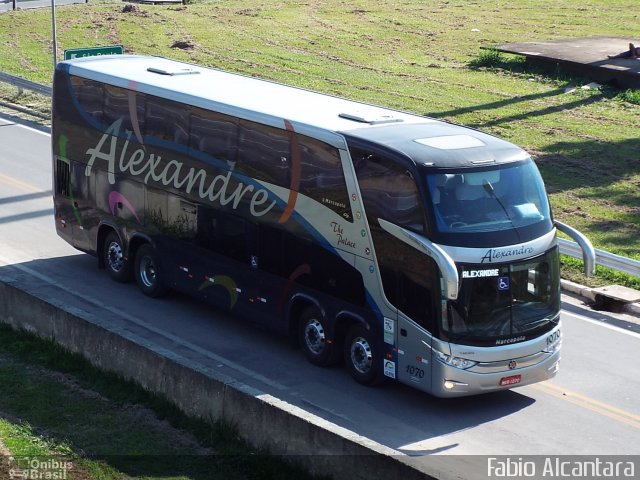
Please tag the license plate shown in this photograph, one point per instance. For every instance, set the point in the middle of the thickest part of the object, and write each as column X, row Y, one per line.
column 512, row 380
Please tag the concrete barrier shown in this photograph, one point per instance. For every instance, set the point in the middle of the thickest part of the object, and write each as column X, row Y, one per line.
column 319, row 446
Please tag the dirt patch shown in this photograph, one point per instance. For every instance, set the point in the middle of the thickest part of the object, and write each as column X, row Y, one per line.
column 183, row 44
column 6, row 461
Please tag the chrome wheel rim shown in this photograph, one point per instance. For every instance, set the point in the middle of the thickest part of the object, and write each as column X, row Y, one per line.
column 361, row 355
column 115, row 257
column 148, row 272
column 314, row 337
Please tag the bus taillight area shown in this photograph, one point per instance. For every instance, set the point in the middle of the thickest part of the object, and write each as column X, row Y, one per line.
column 468, row 370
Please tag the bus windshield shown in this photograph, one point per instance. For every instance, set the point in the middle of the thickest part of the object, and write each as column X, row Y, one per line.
column 488, row 200
column 506, row 302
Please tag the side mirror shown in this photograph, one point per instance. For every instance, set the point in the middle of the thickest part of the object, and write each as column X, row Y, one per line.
column 588, row 252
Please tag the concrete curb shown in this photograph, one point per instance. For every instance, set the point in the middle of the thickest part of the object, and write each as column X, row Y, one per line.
column 319, row 446
column 588, row 296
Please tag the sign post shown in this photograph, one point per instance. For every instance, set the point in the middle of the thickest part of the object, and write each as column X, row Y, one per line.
column 53, row 33
column 93, row 51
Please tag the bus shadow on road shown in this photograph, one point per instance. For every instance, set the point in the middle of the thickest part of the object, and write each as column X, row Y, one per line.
column 431, row 424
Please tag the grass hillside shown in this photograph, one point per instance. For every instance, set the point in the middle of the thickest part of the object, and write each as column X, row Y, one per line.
column 423, row 57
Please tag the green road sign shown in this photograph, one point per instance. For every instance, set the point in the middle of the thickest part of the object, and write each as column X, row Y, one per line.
column 93, row 52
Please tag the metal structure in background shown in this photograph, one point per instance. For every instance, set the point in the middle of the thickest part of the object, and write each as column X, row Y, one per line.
column 24, row 84
column 604, row 259
column 567, row 247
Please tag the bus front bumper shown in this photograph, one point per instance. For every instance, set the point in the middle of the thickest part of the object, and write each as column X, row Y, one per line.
column 457, row 383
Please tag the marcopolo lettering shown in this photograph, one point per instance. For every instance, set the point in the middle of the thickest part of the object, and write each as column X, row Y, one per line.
column 149, row 166
column 509, row 341
column 494, row 272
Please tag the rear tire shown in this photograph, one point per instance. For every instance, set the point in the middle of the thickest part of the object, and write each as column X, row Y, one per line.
column 115, row 261
column 147, row 272
column 312, row 338
column 362, row 356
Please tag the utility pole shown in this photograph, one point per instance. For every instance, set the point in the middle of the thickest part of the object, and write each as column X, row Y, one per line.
column 53, row 33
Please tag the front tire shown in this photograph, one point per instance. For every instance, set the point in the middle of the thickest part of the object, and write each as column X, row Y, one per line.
column 115, row 261
column 362, row 356
column 147, row 272
column 313, row 340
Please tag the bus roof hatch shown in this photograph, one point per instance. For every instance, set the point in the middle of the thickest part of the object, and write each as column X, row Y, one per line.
column 372, row 117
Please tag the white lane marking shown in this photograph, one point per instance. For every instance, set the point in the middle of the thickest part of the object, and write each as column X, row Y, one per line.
column 603, row 324
column 14, row 124
column 162, row 333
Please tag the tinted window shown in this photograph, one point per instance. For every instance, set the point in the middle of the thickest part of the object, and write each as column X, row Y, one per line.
column 314, row 267
column 229, row 235
column 167, row 120
column 486, row 200
column 116, row 106
column 388, row 191
column 263, row 153
column 321, row 175
column 89, row 95
column 214, row 134
column 408, row 277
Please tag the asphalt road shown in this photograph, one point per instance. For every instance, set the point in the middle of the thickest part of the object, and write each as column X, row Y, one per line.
column 590, row 408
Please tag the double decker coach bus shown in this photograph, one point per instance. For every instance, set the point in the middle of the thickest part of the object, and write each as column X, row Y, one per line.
column 413, row 249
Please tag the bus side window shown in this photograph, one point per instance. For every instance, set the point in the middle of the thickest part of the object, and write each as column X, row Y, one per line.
column 214, row 134
column 167, row 121
column 264, row 153
column 237, row 237
column 322, row 177
column 388, row 191
column 90, row 96
column 116, row 107
column 226, row 234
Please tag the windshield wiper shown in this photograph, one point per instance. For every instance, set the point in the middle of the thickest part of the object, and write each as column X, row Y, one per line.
column 492, row 193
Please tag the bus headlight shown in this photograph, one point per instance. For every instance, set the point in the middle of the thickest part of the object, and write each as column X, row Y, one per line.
column 553, row 347
column 457, row 362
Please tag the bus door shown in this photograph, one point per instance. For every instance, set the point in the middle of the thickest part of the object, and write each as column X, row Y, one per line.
column 415, row 323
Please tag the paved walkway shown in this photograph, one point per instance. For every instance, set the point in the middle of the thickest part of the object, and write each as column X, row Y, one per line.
column 588, row 56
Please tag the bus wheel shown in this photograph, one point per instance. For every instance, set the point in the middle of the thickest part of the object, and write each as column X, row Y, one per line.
column 147, row 274
column 117, row 264
column 362, row 357
column 312, row 338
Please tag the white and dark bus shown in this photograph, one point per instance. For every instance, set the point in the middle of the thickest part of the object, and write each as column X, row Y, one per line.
column 413, row 249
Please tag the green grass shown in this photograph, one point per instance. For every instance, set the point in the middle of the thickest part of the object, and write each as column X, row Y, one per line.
column 629, row 96
column 55, row 405
column 431, row 58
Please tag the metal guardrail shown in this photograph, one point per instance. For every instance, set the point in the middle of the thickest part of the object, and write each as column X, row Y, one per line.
column 24, row 84
column 567, row 247
column 605, row 259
